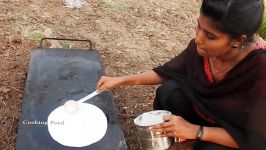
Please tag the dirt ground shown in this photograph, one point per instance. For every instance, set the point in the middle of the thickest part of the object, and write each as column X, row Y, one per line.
column 132, row 37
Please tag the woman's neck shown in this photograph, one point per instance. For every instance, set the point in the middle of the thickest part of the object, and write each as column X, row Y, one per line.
column 235, row 55
column 221, row 65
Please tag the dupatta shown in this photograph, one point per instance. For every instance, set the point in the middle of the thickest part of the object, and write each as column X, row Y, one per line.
column 237, row 103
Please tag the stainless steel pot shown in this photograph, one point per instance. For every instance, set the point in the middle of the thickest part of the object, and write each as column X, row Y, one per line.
column 151, row 140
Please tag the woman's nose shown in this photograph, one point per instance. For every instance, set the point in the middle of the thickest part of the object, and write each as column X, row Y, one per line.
column 199, row 37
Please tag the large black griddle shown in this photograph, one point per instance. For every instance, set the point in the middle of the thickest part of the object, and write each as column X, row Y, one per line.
column 54, row 76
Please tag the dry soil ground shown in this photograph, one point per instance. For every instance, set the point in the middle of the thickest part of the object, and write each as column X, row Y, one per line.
column 132, row 37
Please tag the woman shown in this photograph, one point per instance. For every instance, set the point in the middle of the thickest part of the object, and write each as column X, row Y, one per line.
column 216, row 88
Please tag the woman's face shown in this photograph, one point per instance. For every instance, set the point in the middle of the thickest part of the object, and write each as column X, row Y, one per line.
column 211, row 42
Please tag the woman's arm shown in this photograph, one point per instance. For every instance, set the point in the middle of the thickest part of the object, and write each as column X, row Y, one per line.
column 146, row 78
column 176, row 126
column 219, row 136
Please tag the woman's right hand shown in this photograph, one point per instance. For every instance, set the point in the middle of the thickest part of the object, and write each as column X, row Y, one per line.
column 107, row 83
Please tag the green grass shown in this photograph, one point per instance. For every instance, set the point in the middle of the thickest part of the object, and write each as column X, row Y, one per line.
column 118, row 6
column 35, row 36
column 66, row 44
column 262, row 30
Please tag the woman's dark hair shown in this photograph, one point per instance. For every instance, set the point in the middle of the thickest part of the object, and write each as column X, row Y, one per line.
column 235, row 17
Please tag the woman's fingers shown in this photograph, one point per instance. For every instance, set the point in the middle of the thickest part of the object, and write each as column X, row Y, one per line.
column 168, row 117
column 169, row 128
column 100, row 83
column 172, row 134
column 170, row 120
column 168, row 134
column 162, row 125
column 180, row 140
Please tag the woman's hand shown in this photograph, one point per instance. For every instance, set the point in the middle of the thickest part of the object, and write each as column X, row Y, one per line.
column 176, row 126
column 107, row 83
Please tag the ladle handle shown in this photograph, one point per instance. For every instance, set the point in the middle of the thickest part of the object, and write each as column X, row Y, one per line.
column 89, row 96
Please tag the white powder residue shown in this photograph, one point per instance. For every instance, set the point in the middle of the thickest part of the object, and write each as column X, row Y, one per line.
column 151, row 118
column 74, row 3
column 81, row 128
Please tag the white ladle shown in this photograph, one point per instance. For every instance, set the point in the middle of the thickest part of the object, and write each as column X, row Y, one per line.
column 72, row 105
